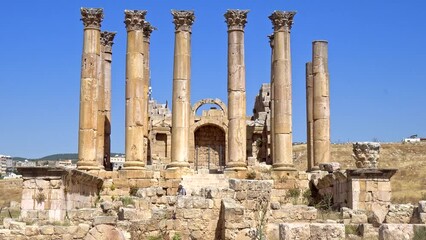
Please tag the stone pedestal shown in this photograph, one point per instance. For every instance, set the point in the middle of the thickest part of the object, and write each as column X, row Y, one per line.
column 369, row 189
column 90, row 72
column 237, row 127
column 283, row 151
column 181, row 108
column 104, row 88
column 48, row 193
column 321, row 102
column 135, row 85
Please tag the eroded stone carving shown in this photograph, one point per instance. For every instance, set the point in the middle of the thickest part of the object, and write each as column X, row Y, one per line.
column 107, row 40
column 134, row 19
column 282, row 19
column 366, row 154
column 147, row 30
column 183, row 20
column 92, row 17
column 236, row 19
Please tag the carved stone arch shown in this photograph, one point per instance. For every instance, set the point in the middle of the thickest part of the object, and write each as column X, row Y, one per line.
column 215, row 101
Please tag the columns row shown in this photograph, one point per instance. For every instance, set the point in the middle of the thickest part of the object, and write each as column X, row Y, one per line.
column 95, row 93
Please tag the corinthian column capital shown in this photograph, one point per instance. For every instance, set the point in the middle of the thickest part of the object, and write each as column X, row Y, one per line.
column 134, row 19
column 107, row 40
column 147, row 30
column 183, row 20
column 92, row 17
column 236, row 19
column 282, row 20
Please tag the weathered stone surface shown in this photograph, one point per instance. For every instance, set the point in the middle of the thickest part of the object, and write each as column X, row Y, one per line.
column 368, row 231
column 110, row 220
column 377, row 216
column 422, row 206
column 396, row 232
column 290, row 231
column 400, row 213
column 104, row 232
column 329, row 167
column 327, row 231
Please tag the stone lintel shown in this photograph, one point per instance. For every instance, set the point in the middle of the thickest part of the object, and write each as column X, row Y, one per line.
column 370, row 173
column 134, row 19
column 183, row 20
column 92, row 17
column 236, row 19
column 282, row 20
column 107, row 40
column 147, row 30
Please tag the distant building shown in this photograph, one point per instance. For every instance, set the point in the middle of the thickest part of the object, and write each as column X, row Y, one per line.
column 117, row 162
column 26, row 163
column 12, row 176
column 411, row 139
column 3, row 164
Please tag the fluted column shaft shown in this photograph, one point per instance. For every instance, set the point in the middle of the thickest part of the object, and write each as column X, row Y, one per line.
column 107, row 39
column 237, row 133
column 321, row 102
column 135, row 116
column 147, row 30
column 309, row 118
column 181, row 102
column 271, row 114
column 283, row 152
column 90, row 72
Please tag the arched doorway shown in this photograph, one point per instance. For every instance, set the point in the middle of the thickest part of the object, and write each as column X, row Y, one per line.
column 210, row 148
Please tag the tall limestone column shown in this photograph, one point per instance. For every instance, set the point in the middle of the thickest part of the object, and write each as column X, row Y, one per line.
column 135, row 116
column 321, row 106
column 312, row 166
column 107, row 40
column 90, row 72
column 283, row 152
column 147, row 30
column 237, row 127
column 181, row 107
column 271, row 114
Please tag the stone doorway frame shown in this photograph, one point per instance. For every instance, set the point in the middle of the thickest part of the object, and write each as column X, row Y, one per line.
column 199, row 121
column 220, row 167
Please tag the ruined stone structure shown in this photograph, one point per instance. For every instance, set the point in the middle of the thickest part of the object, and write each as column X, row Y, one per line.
column 259, row 196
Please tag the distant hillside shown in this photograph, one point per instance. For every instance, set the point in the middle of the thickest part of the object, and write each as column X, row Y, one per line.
column 58, row 156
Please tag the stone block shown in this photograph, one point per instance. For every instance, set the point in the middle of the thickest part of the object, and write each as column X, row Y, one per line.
column 14, row 225
column 47, row 230
column 290, row 231
column 396, row 232
column 368, row 231
column 400, row 213
column 109, row 220
column 329, row 167
column 327, row 231
column 423, row 217
column 31, row 231
column 422, row 206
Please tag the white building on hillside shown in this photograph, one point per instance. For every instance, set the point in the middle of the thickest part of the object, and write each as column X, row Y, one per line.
column 3, row 163
column 117, row 162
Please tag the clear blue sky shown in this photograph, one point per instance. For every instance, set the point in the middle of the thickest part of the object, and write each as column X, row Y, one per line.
column 377, row 62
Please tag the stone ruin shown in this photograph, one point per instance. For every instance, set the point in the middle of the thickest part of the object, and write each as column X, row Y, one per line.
column 238, row 172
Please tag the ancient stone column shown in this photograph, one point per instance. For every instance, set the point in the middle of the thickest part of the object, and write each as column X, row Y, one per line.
column 107, row 40
column 236, row 21
column 321, row 106
column 283, row 152
column 90, row 72
column 147, row 30
column 181, row 105
column 271, row 113
column 312, row 166
column 135, row 115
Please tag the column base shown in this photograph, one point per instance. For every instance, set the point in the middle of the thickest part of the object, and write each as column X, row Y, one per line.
column 134, row 165
column 177, row 172
column 88, row 166
column 236, row 166
column 283, row 167
column 178, row 165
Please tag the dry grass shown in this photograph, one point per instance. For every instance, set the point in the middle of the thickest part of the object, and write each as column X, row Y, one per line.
column 408, row 184
column 10, row 190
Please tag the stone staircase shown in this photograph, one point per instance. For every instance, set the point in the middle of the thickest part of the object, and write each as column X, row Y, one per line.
column 193, row 183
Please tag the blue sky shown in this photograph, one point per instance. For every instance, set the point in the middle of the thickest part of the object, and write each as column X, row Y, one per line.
column 377, row 56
